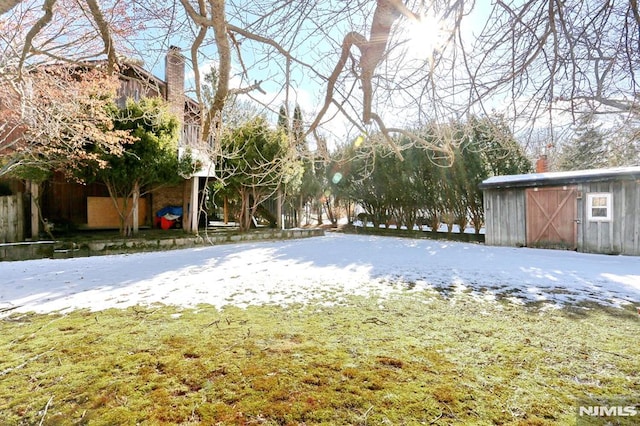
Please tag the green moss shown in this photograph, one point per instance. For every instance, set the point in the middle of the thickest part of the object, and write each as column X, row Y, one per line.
column 417, row 359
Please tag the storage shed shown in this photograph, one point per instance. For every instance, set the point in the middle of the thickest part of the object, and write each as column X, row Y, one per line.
column 594, row 211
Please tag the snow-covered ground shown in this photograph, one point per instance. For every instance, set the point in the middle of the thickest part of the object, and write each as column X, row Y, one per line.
column 323, row 269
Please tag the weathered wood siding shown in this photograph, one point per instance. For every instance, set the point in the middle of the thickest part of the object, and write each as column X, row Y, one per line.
column 11, row 219
column 135, row 86
column 621, row 235
column 505, row 213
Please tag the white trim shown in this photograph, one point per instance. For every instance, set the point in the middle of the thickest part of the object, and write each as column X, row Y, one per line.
column 193, row 204
column 607, row 206
column 550, row 176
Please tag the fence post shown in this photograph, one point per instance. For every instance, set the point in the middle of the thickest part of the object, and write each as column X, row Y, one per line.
column 11, row 219
column 34, row 189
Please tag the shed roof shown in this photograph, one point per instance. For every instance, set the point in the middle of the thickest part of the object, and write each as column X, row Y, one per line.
column 561, row 178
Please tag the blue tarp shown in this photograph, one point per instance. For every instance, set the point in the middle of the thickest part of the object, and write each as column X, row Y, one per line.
column 174, row 210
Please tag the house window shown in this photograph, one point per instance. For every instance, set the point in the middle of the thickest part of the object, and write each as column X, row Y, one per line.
column 599, row 207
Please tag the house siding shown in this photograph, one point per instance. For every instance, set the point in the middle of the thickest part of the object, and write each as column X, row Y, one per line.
column 505, row 217
column 131, row 88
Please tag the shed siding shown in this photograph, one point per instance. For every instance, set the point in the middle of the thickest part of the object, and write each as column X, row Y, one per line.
column 505, row 217
column 505, row 208
column 620, row 235
column 631, row 218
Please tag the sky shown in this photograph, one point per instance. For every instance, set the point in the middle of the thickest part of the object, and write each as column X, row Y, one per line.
column 398, row 108
column 309, row 93
column 398, row 104
column 319, row 270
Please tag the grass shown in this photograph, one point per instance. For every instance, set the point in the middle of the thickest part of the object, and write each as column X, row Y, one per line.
column 416, row 358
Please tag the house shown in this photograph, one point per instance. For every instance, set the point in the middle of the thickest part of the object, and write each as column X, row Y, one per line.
column 69, row 204
column 593, row 211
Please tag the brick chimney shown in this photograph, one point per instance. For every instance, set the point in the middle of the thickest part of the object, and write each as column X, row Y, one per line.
column 542, row 164
column 174, row 76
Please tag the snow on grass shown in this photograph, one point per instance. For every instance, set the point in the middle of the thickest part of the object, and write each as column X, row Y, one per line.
column 323, row 270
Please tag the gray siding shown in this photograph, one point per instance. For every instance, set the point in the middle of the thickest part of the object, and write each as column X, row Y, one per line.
column 505, row 217
column 622, row 234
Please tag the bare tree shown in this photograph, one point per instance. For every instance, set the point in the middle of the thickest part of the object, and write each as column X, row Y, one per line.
column 53, row 93
column 64, row 30
column 545, row 57
column 54, row 120
column 531, row 59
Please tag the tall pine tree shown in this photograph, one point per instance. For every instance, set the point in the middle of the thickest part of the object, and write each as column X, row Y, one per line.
column 587, row 150
column 297, row 130
column 283, row 120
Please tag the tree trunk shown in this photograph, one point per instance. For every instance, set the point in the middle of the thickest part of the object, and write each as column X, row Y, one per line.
column 434, row 221
column 244, row 218
column 135, row 217
column 35, row 209
column 330, row 212
column 300, row 212
column 225, row 210
column 319, row 205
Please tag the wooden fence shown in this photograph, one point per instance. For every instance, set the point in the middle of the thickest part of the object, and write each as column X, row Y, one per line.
column 11, row 219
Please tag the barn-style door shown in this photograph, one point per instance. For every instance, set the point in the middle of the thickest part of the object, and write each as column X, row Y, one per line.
column 551, row 217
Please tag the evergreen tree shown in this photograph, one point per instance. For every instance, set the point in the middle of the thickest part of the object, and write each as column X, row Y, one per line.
column 148, row 162
column 624, row 145
column 501, row 152
column 261, row 163
column 587, row 150
column 309, row 188
column 283, row 120
column 429, row 185
column 297, row 131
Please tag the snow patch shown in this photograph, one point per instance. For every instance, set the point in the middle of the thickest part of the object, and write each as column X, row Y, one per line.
column 322, row 270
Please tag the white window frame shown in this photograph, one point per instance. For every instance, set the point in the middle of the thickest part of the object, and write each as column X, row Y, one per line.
column 608, row 205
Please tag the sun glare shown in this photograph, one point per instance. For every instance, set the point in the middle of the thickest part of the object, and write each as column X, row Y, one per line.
column 426, row 35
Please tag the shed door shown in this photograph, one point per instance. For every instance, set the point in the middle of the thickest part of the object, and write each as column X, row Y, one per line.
column 551, row 217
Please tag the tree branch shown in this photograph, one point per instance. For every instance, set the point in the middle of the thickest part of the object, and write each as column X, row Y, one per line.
column 350, row 39
column 33, row 32
column 105, row 34
column 7, row 5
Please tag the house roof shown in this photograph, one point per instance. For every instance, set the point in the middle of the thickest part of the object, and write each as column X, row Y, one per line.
column 561, row 178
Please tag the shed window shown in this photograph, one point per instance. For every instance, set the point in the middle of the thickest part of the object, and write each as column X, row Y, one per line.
column 599, row 207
